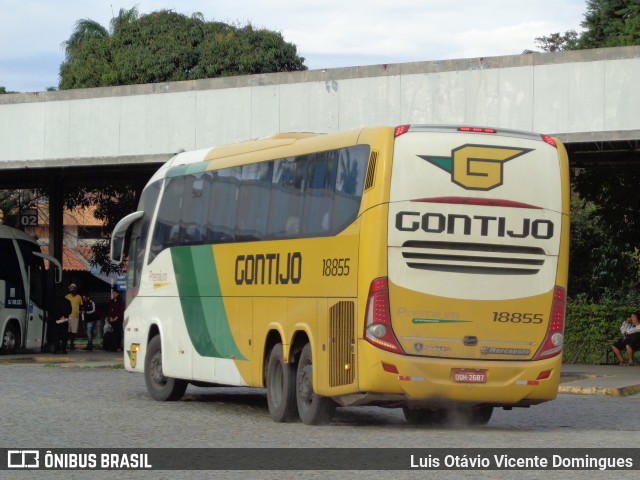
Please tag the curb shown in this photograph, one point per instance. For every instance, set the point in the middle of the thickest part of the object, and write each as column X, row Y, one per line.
column 63, row 361
column 56, row 359
column 605, row 391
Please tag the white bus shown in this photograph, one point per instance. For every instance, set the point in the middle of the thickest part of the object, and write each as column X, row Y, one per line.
column 22, row 291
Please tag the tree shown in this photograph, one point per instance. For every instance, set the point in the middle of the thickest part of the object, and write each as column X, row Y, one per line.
column 557, row 42
column 611, row 23
column 111, row 202
column 14, row 202
column 2, row 90
column 165, row 46
column 160, row 46
column 607, row 23
column 605, row 231
column 601, row 267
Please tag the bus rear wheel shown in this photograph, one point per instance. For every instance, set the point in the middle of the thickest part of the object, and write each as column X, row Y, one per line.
column 313, row 409
column 160, row 387
column 10, row 339
column 425, row 416
column 454, row 416
column 478, row 415
column 281, row 387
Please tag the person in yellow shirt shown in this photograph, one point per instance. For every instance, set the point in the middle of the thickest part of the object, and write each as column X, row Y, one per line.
column 76, row 303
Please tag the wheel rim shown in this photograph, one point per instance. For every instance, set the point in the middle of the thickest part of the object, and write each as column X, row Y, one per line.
column 9, row 340
column 156, row 370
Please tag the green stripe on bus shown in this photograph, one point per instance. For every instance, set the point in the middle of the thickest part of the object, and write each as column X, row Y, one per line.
column 202, row 304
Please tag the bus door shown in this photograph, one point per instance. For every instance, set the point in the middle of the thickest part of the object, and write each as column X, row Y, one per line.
column 12, row 301
column 36, row 301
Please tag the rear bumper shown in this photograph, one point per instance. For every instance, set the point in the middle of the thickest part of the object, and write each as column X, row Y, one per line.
column 424, row 381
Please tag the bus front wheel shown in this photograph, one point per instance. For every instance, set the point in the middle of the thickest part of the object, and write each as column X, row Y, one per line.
column 10, row 339
column 313, row 409
column 281, row 387
column 160, row 387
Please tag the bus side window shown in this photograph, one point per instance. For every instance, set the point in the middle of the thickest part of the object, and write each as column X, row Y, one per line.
column 194, row 211
column 320, row 192
column 140, row 235
column 221, row 217
column 352, row 166
column 253, row 204
column 287, row 196
column 282, row 180
column 11, row 274
column 166, row 232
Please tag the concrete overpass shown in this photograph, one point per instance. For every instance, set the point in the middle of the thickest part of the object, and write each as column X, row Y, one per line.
column 589, row 98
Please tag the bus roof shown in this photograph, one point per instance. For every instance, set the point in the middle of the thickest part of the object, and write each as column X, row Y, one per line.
column 10, row 232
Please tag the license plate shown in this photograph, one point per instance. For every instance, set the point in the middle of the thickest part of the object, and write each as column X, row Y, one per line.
column 461, row 375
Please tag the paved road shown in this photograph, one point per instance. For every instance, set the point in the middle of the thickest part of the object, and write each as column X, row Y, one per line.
column 55, row 407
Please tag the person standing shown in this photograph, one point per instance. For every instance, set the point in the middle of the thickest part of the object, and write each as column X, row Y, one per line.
column 89, row 316
column 74, row 317
column 115, row 318
column 63, row 309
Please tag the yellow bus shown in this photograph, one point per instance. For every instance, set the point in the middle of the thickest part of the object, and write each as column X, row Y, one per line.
column 421, row 267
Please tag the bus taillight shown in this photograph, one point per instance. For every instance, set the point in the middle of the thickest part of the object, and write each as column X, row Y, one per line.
column 477, row 130
column 554, row 339
column 377, row 328
column 549, row 140
column 401, row 130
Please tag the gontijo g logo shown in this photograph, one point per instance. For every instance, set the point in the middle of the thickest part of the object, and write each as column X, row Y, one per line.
column 476, row 167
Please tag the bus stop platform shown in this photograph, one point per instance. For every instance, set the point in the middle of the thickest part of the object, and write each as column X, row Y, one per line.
column 608, row 380
column 611, row 380
column 74, row 358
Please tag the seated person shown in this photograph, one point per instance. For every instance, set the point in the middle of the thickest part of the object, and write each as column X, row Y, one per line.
column 633, row 337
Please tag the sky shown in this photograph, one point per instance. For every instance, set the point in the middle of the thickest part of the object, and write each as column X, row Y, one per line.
column 327, row 33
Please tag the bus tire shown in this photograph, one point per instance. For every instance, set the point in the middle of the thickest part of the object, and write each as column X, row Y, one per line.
column 281, row 387
column 479, row 415
column 10, row 339
column 160, row 387
column 313, row 409
column 425, row 416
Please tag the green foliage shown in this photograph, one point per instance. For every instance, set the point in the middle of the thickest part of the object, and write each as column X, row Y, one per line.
column 611, row 23
column 557, row 42
column 161, row 46
column 14, row 202
column 604, row 261
column 591, row 329
column 111, row 202
column 605, row 234
column 2, row 90
column 607, row 23
column 167, row 46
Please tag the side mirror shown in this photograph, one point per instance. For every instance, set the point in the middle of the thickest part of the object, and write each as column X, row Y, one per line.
column 119, row 232
column 117, row 249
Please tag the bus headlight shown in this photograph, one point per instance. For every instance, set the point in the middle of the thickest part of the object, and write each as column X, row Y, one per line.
column 133, row 354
